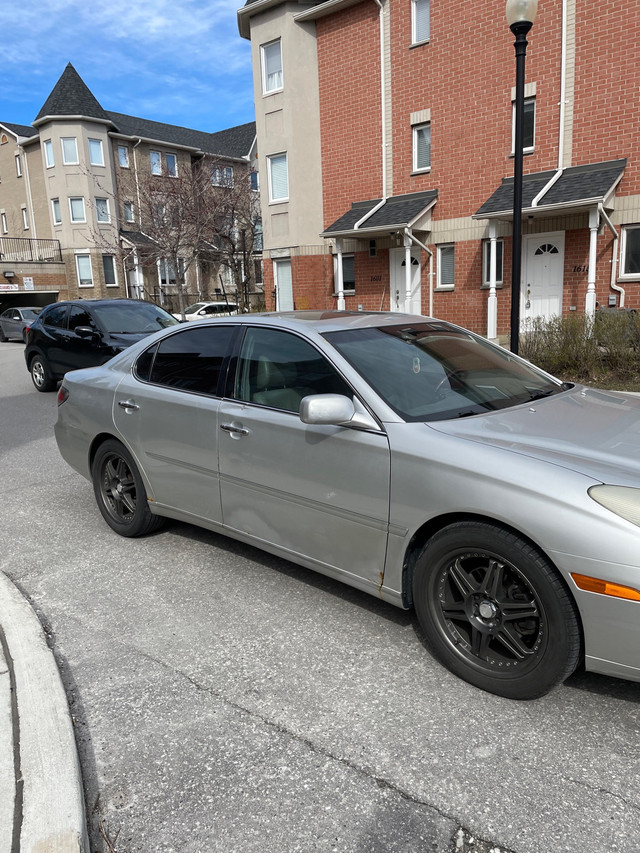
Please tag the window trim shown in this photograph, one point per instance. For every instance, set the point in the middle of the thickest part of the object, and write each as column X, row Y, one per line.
column 271, row 158
column 486, row 243
column 152, row 151
column 108, row 216
column 18, row 161
column 174, row 173
column 415, row 130
column 622, row 275
column 129, row 205
column 266, row 90
column 348, row 291
column 3, row 222
column 526, row 149
column 101, row 148
column 125, row 149
column 414, row 21
column 73, row 198
column 448, row 285
column 115, row 270
column 56, row 211
column 83, row 254
column 73, row 139
column 49, row 157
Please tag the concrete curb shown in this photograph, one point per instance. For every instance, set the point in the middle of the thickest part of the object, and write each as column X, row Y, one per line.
column 48, row 802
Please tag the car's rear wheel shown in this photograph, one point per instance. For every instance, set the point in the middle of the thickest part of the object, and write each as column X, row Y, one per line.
column 120, row 491
column 495, row 611
column 3, row 337
column 41, row 374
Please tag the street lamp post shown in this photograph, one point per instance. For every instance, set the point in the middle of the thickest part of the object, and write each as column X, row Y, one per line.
column 520, row 17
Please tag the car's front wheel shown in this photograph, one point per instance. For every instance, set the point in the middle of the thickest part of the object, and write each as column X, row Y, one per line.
column 41, row 374
column 495, row 611
column 120, row 491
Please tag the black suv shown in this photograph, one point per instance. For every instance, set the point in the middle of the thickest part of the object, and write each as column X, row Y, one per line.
column 86, row 332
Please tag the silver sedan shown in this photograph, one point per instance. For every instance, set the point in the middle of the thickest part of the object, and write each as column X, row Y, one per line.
column 14, row 322
column 402, row 455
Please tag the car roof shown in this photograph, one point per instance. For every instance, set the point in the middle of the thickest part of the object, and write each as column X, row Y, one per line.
column 331, row 321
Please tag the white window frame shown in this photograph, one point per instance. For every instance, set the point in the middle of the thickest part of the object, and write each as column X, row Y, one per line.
column 274, row 81
column 107, row 219
column 440, row 285
column 95, row 146
column 115, row 271
column 25, row 217
column 73, row 152
column 155, row 162
column 416, row 129
column 56, row 211
column 84, row 212
column 222, row 176
column 49, row 158
column 18, row 166
column 346, row 288
column 271, row 160
column 171, row 173
column 83, row 255
column 486, row 249
column 526, row 149
column 417, row 7
column 3, row 222
column 123, row 156
column 627, row 276
column 129, row 206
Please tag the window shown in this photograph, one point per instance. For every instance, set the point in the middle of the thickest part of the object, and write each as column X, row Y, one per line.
column 277, row 369
column 25, row 218
column 630, row 261
column 420, row 21
column 18, row 166
column 48, row 153
column 486, row 261
column 271, row 61
column 79, row 316
column 76, row 206
column 109, row 269
column 348, row 273
column 69, row 150
column 123, row 156
column 129, row 215
column 422, row 147
column 55, row 316
column 254, row 181
column 446, row 267
column 102, row 210
column 3, row 221
column 155, row 159
column 222, row 176
column 83, row 268
column 258, row 241
column 96, row 156
column 171, row 162
column 168, row 271
column 56, row 211
column 528, row 126
column 191, row 360
column 278, row 177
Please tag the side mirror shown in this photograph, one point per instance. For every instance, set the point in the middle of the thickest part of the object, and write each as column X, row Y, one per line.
column 335, row 410
column 86, row 332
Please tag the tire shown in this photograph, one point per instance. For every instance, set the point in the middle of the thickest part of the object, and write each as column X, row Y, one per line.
column 120, row 492
column 41, row 374
column 3, row 337
column 495, row 611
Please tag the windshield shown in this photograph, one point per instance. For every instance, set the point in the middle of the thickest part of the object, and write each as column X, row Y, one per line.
column 433, row 371
column 30, row 313
column 134, row 318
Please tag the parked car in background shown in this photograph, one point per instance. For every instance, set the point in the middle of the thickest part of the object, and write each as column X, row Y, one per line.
column 204, row 310
column 86, row 332
column 14, row 321
column 402, row 455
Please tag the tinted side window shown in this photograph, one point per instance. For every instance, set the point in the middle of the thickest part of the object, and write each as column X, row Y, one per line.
column 192, row 360
column 277, row 369
column 55, row 316
column 79, row 316
column 143, row 364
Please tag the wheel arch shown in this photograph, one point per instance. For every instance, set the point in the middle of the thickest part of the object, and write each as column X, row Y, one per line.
column 100, row 439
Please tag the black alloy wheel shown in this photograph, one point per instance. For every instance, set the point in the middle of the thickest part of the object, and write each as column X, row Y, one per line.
column 120, row 491
column 495, row 611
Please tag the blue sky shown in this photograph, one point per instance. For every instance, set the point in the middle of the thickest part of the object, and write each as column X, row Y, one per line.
column 177, row 61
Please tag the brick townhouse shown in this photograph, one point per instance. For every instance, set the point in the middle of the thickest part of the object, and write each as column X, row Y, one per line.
column 72, row 216
column 385, row 131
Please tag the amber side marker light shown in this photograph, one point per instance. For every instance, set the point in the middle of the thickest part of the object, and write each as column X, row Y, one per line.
column 605, row 587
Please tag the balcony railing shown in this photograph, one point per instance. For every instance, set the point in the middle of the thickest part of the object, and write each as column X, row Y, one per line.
column 23, row 250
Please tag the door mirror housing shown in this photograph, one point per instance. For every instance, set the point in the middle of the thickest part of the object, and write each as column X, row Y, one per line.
column 86, row 332
column 335, row 410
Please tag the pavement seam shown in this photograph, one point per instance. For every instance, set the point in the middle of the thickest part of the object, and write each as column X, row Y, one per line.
column 15, row 728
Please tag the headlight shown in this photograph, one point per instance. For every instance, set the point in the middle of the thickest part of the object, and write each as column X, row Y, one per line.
column 622, row 500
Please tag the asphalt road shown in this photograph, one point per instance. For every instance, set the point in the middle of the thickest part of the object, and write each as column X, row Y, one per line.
column 225, row 700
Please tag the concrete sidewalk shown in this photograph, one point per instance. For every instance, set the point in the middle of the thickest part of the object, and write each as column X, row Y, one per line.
column 41, row 795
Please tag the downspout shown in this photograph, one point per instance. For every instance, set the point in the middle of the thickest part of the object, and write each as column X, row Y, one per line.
column 135, row 172
column 383, row 107
column 614, row 258
column 409, row 233
column 32, row 220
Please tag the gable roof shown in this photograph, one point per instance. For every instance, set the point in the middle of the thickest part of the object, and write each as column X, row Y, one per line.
column 382, row 215
column 71, row 97
column 23, row 130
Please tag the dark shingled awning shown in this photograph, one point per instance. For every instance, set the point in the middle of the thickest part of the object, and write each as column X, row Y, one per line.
column 578, row 186
column 367, row 217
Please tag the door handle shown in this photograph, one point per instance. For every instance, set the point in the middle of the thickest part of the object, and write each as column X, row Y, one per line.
column 128, row 404
column 237, row 430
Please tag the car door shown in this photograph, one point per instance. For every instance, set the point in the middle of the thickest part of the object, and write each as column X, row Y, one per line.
column 317, row 492
column 167, row 412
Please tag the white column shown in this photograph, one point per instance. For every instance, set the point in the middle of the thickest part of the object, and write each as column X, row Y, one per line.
column 594, row 222
column 492, row 301
column 340, row 277
column 407, row 274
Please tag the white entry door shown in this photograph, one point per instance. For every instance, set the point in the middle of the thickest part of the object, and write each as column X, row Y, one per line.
column 398, row 279
column 541, row 292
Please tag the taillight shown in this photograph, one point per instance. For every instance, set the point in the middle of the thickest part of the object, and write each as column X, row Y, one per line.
column 63, row 394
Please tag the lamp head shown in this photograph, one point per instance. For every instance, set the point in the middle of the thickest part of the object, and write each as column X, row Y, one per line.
column 521, row 11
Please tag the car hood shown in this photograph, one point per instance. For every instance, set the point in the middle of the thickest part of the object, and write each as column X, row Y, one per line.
column 594, row 432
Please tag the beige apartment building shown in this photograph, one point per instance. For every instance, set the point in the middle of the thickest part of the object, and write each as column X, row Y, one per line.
column 76, row 199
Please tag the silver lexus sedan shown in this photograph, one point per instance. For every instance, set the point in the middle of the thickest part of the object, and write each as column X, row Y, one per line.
column 402, row 455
